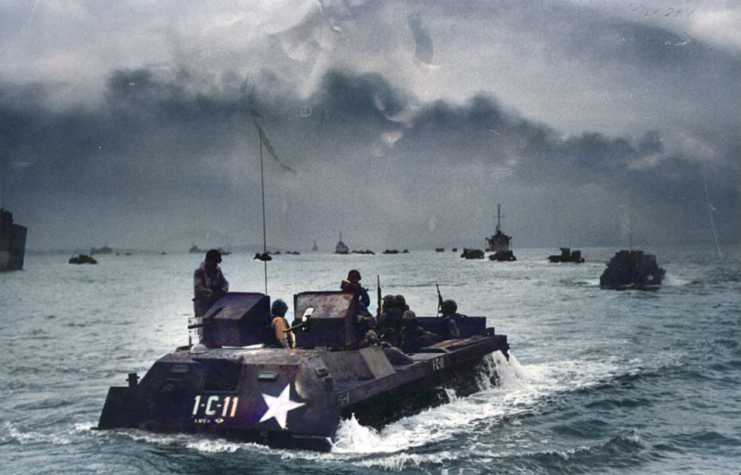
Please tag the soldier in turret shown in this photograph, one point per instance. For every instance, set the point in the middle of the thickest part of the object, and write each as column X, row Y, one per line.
column 361, row 299
column 448, row 327
column 282, row 337
column 208, row 283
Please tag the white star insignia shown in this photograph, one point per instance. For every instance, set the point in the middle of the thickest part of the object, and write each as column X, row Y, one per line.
column 278, row 407
column 650, row 278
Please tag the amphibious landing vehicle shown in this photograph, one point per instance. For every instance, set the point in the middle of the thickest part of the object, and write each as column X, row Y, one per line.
column 632, row 270
column 231, row 385
column 567, row 255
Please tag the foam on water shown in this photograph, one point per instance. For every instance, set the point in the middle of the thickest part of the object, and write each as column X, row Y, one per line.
column 443, row 422
column 674, row 281
column 14, row 434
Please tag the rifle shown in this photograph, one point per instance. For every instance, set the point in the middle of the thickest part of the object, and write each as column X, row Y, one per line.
column 439, row 301
column 380, row 300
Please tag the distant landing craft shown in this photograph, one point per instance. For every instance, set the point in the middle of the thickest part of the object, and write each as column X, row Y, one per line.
column 567, row 255
column 632, row 270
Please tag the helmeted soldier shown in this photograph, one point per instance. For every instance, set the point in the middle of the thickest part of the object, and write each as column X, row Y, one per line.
column 208, row 285
column 448, row 327
column 282, row 337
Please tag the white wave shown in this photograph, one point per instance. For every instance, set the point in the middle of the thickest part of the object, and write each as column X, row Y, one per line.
column 85, row 426
column 208, row 445
column 352, row 437
column 33, row 437
column 402, row 461
column 199, row 443
column 673, row 280
column 440, row 423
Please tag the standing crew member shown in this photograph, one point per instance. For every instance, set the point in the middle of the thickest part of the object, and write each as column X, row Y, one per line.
column 208, row 285
column 279, row 325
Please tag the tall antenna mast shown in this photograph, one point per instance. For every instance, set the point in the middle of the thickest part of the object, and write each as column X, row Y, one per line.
column 712, row 221
column 264, row 227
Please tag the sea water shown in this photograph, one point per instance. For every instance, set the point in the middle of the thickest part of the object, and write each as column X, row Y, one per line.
column 597, row 381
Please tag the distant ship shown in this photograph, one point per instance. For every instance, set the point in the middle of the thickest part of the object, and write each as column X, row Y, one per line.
column 315, row 248
column 472, row 254
column 82, row 259
column 195, row 250
column 632, row 270
column 341, row 247
column 499, row 242
column 567, row 255
column 12, row 242
column 101, row 250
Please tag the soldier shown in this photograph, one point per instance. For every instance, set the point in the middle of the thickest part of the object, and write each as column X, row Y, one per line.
column 282, row 337
column 413, row 336
column 361, row 300
column 208, row 285
column 389, row 320
column 448, row 326
column 370, row 337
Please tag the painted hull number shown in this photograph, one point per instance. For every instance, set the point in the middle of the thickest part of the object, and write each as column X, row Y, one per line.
column 438, row 363
column 213, row 405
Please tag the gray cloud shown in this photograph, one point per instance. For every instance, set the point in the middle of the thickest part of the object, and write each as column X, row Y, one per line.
column 406, row 125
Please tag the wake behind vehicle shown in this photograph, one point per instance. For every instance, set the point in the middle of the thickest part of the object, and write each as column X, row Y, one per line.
column 232, row 386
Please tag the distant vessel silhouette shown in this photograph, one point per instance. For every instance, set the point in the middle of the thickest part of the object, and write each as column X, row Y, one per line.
column 567, row 255
column 12, row 242
column 101, row 250
column 341, row 247
column 82, row 259
column 472, row 254
column 498, row 243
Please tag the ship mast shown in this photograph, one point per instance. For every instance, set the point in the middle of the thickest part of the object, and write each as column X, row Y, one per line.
column 264, row 226
column 499, row 218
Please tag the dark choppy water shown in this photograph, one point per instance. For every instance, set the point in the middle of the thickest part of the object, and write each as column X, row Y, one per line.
column 599, row 382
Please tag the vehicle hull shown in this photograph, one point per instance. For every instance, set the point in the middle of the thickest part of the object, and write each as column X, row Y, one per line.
column 294, row 398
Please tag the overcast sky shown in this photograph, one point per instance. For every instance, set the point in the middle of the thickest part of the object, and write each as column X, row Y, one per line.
column 400, row 124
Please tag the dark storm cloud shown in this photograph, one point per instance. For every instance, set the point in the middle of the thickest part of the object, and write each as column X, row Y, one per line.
column 160, row 155
column 406, row 122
